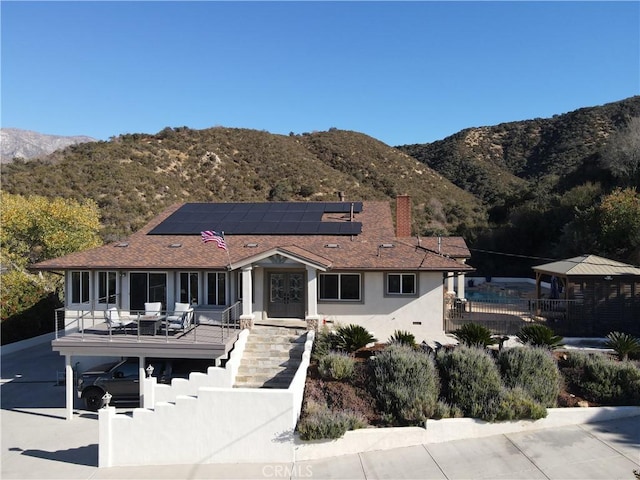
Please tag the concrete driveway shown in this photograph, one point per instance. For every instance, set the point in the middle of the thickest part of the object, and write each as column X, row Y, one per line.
column 38, row 443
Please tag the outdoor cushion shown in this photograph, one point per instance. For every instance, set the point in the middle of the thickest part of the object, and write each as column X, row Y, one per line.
column 152, row 308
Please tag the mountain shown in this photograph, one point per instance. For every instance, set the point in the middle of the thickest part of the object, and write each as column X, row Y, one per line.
column 16, row 143
column 495, row 162
column 527, row 189
column 135, row 176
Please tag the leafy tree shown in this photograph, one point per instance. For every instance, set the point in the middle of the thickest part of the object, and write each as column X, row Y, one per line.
column 622, row 154
column 35, row 229
column 619, row 215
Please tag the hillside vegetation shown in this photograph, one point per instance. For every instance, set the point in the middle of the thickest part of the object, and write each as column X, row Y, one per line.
column 539, row 188
column 135, row 176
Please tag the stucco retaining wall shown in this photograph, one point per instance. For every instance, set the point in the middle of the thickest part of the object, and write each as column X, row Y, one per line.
column 438, row 431
column 213, row 425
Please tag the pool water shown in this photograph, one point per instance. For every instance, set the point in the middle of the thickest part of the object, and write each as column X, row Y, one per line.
column 488, row 296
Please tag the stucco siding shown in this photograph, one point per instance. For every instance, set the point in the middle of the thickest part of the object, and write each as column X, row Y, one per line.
column 382, row 315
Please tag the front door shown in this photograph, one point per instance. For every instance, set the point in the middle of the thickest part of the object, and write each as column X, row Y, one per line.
column 286, row 294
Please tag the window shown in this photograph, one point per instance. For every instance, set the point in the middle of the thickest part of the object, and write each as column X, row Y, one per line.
column 216, row 288
column 189, row 288
column 107, row 287
column 339, row 286
column 401, row 284
column 147, row 287
column 80, row 287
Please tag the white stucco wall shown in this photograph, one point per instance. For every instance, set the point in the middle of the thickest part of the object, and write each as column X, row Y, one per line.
column 382, row 314
column 207, row 425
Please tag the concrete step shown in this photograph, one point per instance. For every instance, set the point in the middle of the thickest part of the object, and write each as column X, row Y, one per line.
column 266, row 349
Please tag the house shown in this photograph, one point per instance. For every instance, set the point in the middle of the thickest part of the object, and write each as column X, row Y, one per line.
column 590, row 296
column 316, row 262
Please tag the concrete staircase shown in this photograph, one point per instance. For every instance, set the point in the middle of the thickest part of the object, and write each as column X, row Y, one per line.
column 271, row 356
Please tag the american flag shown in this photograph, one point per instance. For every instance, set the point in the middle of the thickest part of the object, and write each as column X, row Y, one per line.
column 211, row 236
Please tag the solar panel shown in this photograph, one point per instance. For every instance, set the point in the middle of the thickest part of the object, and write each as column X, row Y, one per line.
column 275, row 218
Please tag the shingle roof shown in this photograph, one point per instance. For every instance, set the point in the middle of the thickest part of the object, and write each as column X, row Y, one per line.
column 587, row 265
column 357, row 252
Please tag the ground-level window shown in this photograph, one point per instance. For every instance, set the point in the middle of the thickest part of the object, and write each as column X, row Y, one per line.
column 80, row 287
column 401, row 284
column 339, row 286
column 189, row 288
column 107, row 287
column 216, row 288
column 147, row 287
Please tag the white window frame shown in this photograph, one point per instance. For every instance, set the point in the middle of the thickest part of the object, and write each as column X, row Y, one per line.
column 339, row 275
column 84, row 276
column 401, row 293
column 226, row 287
column 114, row 294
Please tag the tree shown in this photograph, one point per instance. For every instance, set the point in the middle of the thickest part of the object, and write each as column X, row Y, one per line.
column 622, row 154
column 35, row 229
column 619, row 215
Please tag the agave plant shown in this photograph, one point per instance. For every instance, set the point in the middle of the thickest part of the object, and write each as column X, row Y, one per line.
column 474, row 335
column 540, row 336
column 350, row 338
column 403, row 337
column 623, row 344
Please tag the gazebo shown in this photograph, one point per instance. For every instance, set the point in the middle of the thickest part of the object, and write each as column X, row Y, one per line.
column 595, row 295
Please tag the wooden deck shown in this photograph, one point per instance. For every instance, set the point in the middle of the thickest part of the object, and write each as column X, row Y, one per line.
column 200, row 341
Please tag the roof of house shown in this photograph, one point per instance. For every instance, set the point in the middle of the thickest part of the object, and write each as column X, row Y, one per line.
column 587, row 265
column 375, row 248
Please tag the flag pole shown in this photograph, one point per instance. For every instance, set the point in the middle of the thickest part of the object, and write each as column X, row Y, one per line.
column 227, row 249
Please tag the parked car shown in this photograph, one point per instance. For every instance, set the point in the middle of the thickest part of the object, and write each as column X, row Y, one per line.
column 121, row 379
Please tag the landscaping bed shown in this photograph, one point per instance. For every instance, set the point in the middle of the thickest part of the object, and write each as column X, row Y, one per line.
column 389, row 384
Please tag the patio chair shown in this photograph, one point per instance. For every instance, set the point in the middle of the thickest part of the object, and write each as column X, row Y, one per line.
column 181, row 318
column 152, row 309
column 115, row 321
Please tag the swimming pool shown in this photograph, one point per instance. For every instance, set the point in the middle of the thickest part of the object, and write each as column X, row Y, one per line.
column 489, row 296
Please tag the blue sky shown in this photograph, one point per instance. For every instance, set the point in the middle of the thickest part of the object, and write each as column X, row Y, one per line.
column 402, row 72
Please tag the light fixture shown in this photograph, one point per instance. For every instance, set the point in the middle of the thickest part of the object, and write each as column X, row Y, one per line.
column 149, row 370
column 608, row 278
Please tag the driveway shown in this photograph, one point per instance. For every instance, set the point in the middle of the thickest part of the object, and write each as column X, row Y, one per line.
column 38, row 443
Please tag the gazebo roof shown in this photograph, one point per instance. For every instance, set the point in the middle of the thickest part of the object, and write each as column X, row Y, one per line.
column 587, row 265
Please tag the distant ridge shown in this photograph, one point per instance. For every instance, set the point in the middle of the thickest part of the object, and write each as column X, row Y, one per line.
column 26, row 144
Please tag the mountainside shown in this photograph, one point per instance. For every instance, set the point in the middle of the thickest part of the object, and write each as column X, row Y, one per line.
column 135, row 176
column 495, row 162
column 16, row 143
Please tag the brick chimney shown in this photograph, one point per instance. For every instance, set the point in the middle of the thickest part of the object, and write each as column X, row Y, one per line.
column 403, row 216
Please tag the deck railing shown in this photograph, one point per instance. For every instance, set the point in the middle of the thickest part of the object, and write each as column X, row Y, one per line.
column 222, row 322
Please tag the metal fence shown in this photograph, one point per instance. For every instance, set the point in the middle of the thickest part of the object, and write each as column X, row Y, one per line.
column 507, row 318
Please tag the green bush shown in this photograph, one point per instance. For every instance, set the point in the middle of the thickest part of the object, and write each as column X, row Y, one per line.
column 403, row 337
column 623, row 344
column 470, row 379
column 352, row 337
column 603, row 380
column 336, row 366
column 446, row 410
column 323, row 423
column 517, row 404
column 324, row 342
column 405, row 384
column 539, row 336
column 532, row 369
column 474, row 335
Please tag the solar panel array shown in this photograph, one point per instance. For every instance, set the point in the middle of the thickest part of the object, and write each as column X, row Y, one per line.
column 277, row 218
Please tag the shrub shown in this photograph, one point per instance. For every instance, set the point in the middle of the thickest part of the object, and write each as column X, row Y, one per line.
column 532, row 369
column 323, row 423
column 539, row 336
column 353, row 337
column 324, row 342
column 471, row 380
column 474, row 335
column 405, row 384
column 446, row 410
column 336, row 366
column 623, row 344
column 603, row 380
column 403, row 337
column 517, row 404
